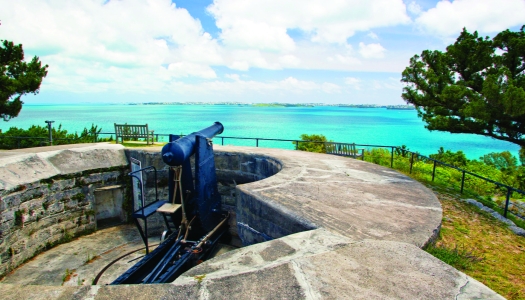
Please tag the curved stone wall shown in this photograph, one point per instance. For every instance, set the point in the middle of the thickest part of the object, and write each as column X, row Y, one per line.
column 49, row 196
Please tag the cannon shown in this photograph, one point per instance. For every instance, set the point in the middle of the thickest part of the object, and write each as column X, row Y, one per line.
column 194, row 207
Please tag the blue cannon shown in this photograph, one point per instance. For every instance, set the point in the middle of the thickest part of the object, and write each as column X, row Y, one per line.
column 194, row 207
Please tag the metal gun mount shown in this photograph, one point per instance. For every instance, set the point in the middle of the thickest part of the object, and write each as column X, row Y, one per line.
column 195, row 210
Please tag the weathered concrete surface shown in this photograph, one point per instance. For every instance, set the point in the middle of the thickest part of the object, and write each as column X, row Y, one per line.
column 318, row 264
column 83, row 259
column 353, row 198
column 30, row 165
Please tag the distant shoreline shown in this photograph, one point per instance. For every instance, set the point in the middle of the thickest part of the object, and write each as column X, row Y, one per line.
column 394, row 107
column 398, row 107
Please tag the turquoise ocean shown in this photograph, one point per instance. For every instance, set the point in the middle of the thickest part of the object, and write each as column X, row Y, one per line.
column 377, row 126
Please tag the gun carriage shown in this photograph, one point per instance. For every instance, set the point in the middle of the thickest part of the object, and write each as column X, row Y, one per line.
column 194, row 210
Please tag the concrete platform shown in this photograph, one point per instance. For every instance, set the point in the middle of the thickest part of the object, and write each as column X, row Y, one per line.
column 343, row 229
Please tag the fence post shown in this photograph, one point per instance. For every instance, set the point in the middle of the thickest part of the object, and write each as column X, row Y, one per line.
column 462, row 182
column 434, row 171
column 509, row 191
column 391, row 158
column 411, row 162
column 256, row 142
column 296, row 145
column 222, row 140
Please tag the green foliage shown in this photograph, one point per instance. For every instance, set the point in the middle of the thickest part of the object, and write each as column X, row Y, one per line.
column 36, row 136
column 312, row 147
column 17, row 78
column 502, row 161
column 476, row 86
column 402, row 151
column 451, row 178
column 457, row 159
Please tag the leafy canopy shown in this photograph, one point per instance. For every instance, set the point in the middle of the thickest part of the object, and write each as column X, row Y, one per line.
column 310, row 145
column 476, row 86
column 17, row 78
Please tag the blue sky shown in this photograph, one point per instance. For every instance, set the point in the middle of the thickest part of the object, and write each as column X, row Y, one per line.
column 296, row 51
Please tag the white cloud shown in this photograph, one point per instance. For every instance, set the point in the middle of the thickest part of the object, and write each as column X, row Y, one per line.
column 355, row 83
column 263, row 23
column 90, row 45
column 388, row 84
column 289, row 61
column 371, row 50
column 234, row 77
column 486, row 16
column 330, row 88
column 414, row 8
column 242, row 60
column 372, row 36
column 185, row 69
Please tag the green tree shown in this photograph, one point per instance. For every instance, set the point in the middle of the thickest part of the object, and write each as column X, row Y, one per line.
column 17, row 77
column 476, row 86
column 310, row 145
column 502, row 161
column 457, row 159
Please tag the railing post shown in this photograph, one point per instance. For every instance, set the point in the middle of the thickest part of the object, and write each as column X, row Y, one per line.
column 363, row 154
column 296, row 145
column 462, row 182
column 411, row 162
column 392, row 158
column 256, row 142
column 509, row 191
column 434, row 171
column 222, row 140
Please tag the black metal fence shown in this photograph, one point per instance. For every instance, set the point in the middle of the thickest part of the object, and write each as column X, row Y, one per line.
column 294, row 144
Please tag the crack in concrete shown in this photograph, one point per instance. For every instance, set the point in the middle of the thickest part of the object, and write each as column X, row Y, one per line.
column 461, row 289
column 309, row 291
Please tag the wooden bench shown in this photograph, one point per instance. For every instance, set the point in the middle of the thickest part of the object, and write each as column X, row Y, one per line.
column 125, row 131
column 342, row 149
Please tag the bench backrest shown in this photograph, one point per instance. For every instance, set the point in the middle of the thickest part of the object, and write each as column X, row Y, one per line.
column 341, row 149
column 126, row 129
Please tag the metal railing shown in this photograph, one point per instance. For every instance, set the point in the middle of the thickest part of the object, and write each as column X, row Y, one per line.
column 414, row 156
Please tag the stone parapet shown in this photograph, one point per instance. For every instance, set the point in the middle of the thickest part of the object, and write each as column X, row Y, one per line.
column 47, row 197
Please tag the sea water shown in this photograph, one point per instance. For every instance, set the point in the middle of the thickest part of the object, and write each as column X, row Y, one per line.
column 372, row 126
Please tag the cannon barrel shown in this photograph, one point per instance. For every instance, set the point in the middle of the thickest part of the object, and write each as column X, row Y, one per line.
column 175, row 153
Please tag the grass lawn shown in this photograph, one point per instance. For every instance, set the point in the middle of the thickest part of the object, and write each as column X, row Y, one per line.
column 480, row 246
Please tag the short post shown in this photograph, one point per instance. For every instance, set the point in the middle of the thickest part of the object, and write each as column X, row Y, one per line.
column 434, row 171
column 296, row 145
column 411, row 162
column 256, row 142
column 462, row 182
column 392, row 158
column 222, row 140
column 49, row 128
column 509, row 191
